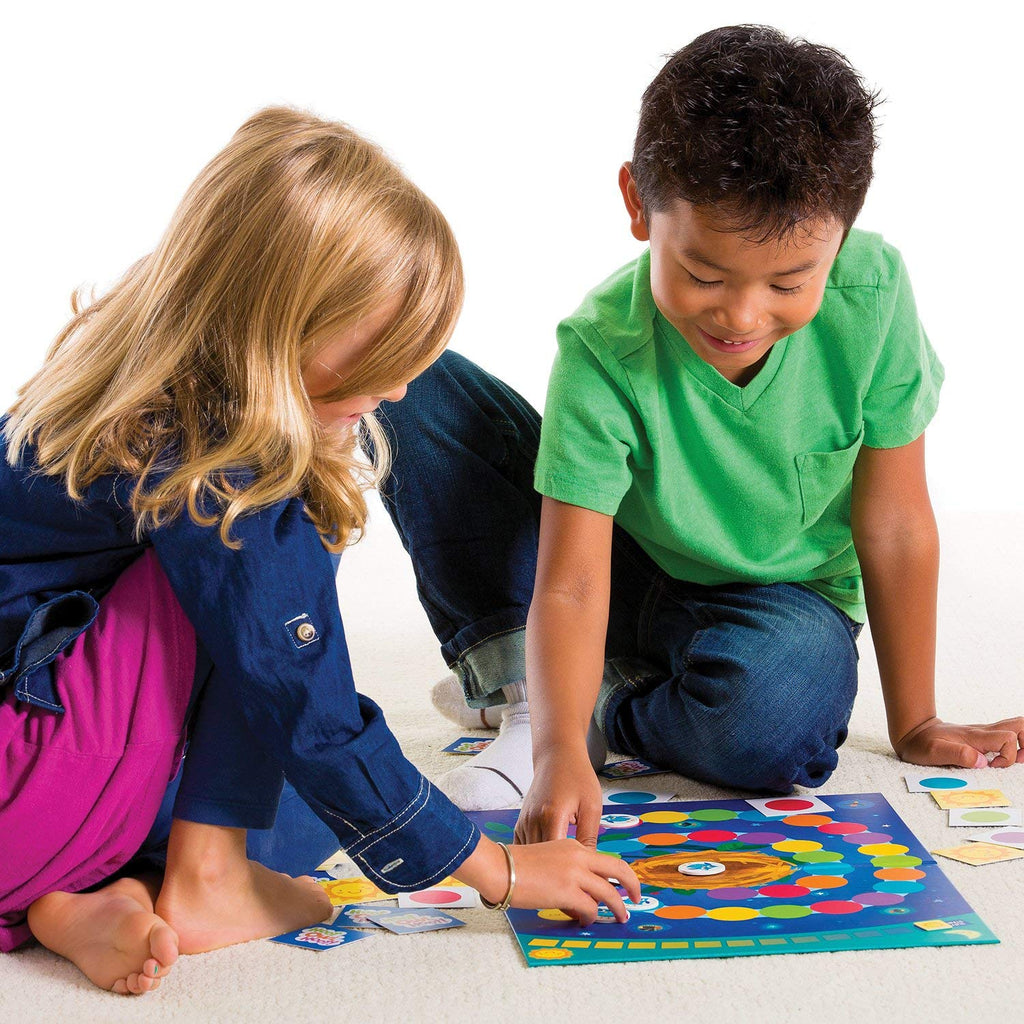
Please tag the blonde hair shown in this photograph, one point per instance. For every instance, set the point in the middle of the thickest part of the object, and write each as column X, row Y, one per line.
column 187, row 374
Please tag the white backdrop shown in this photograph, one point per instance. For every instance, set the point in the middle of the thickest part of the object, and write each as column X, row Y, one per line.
column 514, row 118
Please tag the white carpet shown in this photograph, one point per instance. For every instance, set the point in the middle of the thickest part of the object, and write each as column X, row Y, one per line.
column 477, row 972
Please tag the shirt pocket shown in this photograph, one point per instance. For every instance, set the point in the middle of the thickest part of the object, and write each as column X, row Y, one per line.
column 824, row 477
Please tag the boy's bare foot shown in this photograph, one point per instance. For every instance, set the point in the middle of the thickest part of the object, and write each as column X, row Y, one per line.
column 112, row 936
column 213, row 896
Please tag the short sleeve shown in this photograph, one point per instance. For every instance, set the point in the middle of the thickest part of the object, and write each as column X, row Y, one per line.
column 904, row 390
column 589, row 428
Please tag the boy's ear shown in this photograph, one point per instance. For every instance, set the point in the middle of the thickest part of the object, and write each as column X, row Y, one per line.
column 627, row 186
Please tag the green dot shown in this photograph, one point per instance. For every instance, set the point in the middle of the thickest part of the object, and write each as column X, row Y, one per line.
column 984, row 816
column 896, row 861
column 817, row 857
column 496, row 826
column 713, row 814
column 786, row 911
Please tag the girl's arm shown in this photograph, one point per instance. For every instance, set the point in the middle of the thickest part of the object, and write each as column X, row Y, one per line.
column 897, row 544
column 565, row 644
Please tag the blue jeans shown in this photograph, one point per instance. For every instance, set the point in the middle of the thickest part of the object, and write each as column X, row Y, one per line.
column 742, row 686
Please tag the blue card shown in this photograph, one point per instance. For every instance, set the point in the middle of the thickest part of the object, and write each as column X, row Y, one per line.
column 468, row 745
column 355, row 916
column 320, row 937
column 629, row 769
column 401, row 921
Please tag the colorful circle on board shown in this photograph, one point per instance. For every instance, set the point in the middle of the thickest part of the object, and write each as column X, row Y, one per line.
column 712, row 835
column 807, row 820
column 551, row 954
column 878, row 899
column 620, row 846
column 715, row 814
column 497, row 826
column 903, row 888
column 553, row 915
column 793, row 804
column 985, row 816
column 759, row 838
column 702, row 868
column 842, row 828
column 679, row 913
column 435, row 897
column 732, row 893
column 632, row 796
column 881, row 849
column 614, row 821
column 786, row 911
column 817, row 857
column 796, row 846
column 664, row 817
column 732, row 914
column 896, row 910
column 835, row 868
column 836, row 907
column 645, row 905
column 900, row 860
column 863, row 838
column 822, row 882
column 899, row 874
column 785, row 892
column 662, row 839
column 942, row 782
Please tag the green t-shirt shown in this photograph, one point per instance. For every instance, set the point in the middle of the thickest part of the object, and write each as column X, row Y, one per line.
column 726, row 484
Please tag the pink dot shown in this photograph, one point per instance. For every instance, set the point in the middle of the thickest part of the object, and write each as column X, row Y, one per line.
column 435, row 897
column 784, row 891
column 836, row 907
column 789, row 805
column 712, row 835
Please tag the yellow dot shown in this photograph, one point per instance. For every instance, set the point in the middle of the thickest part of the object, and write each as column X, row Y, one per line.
column 553, row 915
column 882, row 849
column 732, row 914
column 664, row 817
column 551, row 954
column 796, row 846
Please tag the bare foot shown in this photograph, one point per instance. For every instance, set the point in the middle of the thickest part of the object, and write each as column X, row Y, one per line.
column 211, row 909
column 112, row 936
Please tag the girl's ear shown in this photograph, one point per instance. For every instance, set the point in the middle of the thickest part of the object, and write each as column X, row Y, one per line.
column 627, row 186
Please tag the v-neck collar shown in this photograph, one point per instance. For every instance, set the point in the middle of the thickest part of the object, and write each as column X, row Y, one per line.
column 740, row 398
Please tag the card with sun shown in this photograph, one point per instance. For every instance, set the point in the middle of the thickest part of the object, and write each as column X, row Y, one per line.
column 721, row 878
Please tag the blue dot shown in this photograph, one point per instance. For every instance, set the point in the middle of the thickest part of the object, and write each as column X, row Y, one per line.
column 903, row 888
column 631, row 797
column 941, row 782
column 621, row 846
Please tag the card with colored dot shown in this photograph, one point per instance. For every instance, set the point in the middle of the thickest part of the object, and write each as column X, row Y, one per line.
column 636, row 796
column 980, row 816
column 933, row 781
column 970, row 798
column 783, row 806
column 441, row 896
column 979, row 853
column 1012, row 836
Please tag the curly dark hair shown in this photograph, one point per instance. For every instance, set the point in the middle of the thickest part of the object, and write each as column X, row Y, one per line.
column 772, row 131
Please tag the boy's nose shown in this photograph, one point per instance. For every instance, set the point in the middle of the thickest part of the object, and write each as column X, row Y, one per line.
column 738, row 317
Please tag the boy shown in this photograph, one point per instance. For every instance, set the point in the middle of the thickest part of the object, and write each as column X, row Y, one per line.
column 732, row 465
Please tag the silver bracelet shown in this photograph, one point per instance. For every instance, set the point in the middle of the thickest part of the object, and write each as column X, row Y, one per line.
column 507, row 901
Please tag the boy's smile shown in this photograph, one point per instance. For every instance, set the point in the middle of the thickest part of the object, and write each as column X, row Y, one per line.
column 729, row 297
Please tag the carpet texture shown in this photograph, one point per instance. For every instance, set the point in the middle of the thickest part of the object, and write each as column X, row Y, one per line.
column 477, row 972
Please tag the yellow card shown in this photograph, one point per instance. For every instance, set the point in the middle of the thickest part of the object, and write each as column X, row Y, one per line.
column 970, row 798
column 980, row 853
column 357, row 890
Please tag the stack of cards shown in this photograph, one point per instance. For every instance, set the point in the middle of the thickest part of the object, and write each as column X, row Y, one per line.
column 953, row 791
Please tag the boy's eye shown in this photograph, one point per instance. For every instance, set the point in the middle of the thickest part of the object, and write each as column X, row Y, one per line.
column 700, row 282
column 786, row 291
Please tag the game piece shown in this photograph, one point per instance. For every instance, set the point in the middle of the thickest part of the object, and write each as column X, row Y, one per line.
column 985, row 816
column 1011, row 837
column 926, row 782
column 782, row 806
column 468, row 745
column 852, row 878
column 615, row 821
column 441, row 896
column 970, row 798
column 352, row 890
column 701, row 868
column 320, row 937
column 629, row 769
column 401, row 921
column 980, row 853
column 635, row 796
column 354, row 916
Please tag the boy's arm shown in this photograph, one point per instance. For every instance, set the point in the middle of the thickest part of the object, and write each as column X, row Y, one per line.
column 897, row 544
column 565, row 642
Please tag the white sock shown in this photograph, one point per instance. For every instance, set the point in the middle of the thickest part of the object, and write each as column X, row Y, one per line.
column 500, row 775
column 449, row 699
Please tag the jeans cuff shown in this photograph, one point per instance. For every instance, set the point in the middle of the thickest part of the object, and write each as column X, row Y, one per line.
column 487, row 666
column 226, row 813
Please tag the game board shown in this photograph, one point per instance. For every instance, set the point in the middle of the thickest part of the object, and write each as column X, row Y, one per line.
column 850, row 875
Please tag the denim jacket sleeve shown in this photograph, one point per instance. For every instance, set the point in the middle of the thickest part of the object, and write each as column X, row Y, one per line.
column 268, row 613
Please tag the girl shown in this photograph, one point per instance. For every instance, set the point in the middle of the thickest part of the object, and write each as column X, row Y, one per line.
column 175, row 480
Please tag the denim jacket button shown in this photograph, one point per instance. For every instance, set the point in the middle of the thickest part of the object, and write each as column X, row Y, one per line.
column 306, row 632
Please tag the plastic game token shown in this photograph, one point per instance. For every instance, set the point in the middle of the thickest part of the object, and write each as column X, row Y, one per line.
column 646, row 904
column 619, row 820
column 702, row 868
column 605, row 916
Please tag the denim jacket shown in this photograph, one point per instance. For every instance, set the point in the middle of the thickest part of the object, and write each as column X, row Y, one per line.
column 268, row 613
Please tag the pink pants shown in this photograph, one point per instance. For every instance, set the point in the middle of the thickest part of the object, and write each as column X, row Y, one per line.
column 80, row 791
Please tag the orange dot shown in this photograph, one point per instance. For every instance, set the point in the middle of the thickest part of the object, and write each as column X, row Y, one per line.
column 663, row 838
column 679, row 913
column 822, row 881
column 807, row 819
column 899, row 874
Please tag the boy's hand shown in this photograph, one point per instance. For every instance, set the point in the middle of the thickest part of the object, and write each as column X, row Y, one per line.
column 565, row 790
column 935, row 742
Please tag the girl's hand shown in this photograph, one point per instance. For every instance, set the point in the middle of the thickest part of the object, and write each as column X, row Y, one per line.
column 935, row 742
column 565, row 791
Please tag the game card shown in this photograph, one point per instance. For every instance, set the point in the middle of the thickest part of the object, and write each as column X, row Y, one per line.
column 320, row 937
column 402, row 922
column 354, row 916
column 1011, row 837
column 979, row 853
column 784, row 806
column 636, row 796
column 468, row 745
column 927, row 782
column 970, row 798
column 630, row 769
column 991, row 816
column 441, row 896
column 343, row 891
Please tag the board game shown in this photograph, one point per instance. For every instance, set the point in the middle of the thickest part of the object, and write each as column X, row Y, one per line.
column 739, row 878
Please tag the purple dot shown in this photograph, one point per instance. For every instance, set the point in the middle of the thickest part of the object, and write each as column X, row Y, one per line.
column 1007, row 837
column 878, row 899
column 761, row 838
column 867, row 838
column 735, row 893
